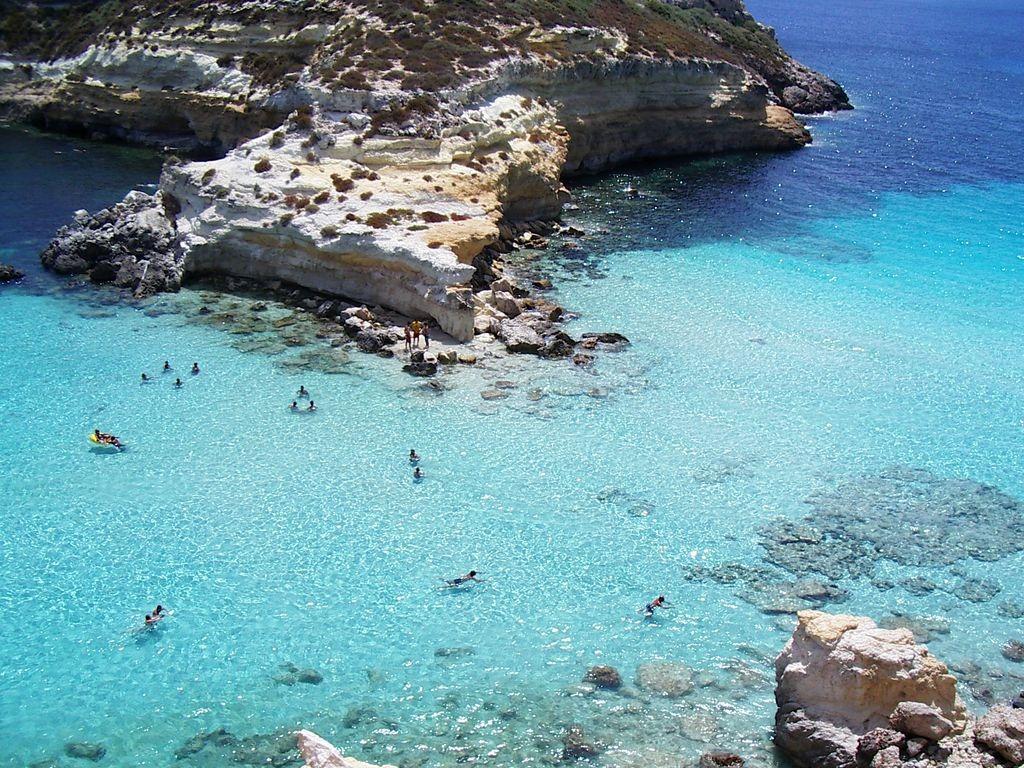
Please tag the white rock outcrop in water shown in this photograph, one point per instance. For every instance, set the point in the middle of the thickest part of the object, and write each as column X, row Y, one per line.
column 840, row 677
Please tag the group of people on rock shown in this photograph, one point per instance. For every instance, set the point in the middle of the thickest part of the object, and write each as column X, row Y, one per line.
column 302, row 394
column 414, row 331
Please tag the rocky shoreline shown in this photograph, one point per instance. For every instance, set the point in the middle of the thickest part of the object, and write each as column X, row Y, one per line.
column 399, row 192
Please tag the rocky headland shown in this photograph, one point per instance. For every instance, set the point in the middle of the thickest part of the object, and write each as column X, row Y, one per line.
column 382, row 152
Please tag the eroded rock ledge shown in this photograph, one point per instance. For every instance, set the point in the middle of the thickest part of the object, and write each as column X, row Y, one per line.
column 352, row 163
column 852, row 694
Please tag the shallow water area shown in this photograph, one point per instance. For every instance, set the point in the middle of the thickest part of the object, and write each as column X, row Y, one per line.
column 817, row 338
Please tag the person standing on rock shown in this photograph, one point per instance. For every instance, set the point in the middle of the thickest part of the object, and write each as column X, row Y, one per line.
column 416, row 328
column 426, row 335
column 408, row 338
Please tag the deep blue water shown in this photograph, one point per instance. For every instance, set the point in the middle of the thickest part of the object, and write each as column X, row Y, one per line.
column 833, row 332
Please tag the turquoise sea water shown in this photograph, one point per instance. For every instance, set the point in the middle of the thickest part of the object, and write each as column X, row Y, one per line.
column 801, row 324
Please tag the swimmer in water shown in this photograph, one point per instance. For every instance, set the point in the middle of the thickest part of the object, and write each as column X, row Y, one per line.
column 152, row 619
column 167, row 366
column 294, row 406
column 159, row 611
column 195, row 368
column 658, row 602
column 312, row 406
column 177, row 383
column 413, row 456
column 462, row 580
column 417, row 474
column 303, row 392
column 145, row 379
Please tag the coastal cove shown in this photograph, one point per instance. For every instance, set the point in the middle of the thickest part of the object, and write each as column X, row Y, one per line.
column 827, row 338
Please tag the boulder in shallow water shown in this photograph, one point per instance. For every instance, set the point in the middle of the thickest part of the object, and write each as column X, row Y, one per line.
column 720, row 760
column 664, row 678
column 603, row 676
column 577, row 746
column 1013, row 650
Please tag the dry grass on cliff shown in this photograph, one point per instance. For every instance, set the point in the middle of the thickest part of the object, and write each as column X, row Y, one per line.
column 425, row 45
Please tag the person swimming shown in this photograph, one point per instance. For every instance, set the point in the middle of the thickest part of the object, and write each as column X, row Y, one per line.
column 145, row 379
column 413, row 456
column 312, row 406
column 303, row 392
column 152, row 618
column 658, row 602
column 178, row 383
column 417, row 474
column 294, row 406
column 462, row 580
column 195, row 368
column 106, row 439
column 159, row 610
column 167, row 366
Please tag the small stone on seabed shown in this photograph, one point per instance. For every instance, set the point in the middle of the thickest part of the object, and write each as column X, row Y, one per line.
column 85, row 750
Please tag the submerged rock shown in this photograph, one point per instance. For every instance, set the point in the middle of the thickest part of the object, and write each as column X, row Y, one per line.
column 720, row 760
column 603, row 677
column 1013, row 650
column 577, row 746
column 907, row 516
column 664, row 678
column 85, row 750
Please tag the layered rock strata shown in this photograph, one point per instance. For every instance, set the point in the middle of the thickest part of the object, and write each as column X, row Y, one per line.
column 374, row 152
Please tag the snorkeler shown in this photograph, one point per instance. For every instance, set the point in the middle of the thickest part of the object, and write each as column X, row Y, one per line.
column 294, row 406
column 177, row 383
column 303, row 392
column 312, row 406
column 461, row 580
column 658, row 602
column 195, row 368
column 167, row 366
column 413, row 456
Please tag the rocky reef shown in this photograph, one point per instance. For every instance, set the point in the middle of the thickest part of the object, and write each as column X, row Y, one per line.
column 380, row 151
column 850, row 693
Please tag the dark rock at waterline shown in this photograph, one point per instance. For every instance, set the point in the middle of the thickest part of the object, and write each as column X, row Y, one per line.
column 421, row 368
column 85, row 750
column 373, row 339
column 9, row 274
column 556, row 349
column 603, row 677
column 577, row 746
column 720, row 760
column 1017, row 702
column 1013, row 650
column 607, row 338
column 132, row 244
